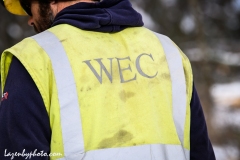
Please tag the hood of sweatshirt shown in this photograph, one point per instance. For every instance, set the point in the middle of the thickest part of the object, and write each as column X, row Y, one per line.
column 104, row 16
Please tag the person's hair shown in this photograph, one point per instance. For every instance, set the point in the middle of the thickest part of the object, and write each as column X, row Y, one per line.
column 26, row 4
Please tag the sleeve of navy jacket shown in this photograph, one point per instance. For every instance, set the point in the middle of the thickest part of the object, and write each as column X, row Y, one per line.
column 24, row 122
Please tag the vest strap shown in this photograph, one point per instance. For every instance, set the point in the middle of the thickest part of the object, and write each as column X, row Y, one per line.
column 179, row 95
column 67, row 94
column 142, row 152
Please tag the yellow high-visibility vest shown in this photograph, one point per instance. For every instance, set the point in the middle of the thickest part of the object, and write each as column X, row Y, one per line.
column 119, row 96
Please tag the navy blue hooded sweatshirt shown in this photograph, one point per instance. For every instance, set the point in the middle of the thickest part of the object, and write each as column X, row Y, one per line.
column 24, row 122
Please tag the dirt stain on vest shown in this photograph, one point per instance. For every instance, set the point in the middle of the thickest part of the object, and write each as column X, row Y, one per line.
column 89, row 89
column 63, row 40
column 163, row 59
column 121, row 137
column 125, row 95
column 166, row 76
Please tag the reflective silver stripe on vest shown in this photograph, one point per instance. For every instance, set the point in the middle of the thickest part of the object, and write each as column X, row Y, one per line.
column 67, row 94
column 143, row 152
column 179, row 95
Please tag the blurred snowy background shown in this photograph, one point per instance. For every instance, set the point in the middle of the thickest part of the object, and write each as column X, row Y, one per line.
column 208, row 31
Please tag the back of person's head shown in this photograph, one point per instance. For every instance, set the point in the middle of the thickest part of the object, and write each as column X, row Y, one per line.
column 23, row 7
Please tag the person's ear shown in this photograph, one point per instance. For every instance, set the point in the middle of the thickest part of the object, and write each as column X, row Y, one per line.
column 54, row 7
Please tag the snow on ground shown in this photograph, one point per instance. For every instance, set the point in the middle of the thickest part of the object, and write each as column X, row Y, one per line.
column 225, row 153
column 225, row 96
column 213, row 54
column 226, row 99
column 228, row 58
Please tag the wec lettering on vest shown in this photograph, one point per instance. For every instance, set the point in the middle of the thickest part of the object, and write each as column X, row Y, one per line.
column 121, row 69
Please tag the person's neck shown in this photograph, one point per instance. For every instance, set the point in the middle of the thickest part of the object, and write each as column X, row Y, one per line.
column 57, row 6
